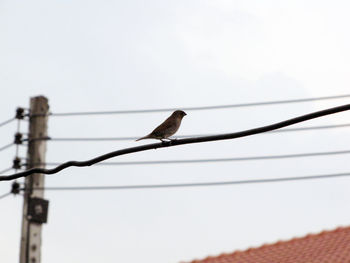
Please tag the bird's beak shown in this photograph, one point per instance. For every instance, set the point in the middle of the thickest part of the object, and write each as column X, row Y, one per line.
column 185, row 113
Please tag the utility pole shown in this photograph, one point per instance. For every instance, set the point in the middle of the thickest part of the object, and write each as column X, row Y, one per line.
column 34, row 206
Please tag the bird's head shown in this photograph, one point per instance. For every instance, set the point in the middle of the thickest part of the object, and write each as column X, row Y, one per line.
column 179, row 114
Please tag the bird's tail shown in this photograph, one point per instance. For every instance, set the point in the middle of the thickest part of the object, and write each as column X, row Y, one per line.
column 142, row 138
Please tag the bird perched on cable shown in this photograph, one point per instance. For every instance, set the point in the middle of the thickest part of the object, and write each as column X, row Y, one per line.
column 167, row 128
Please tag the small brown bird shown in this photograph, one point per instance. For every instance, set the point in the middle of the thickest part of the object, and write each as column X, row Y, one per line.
column 167, row 128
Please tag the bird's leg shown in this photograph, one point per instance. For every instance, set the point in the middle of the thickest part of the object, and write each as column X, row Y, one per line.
column 163, row 141
column 167, row 140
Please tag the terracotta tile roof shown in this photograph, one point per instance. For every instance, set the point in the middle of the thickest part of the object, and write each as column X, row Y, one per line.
column 325, row 247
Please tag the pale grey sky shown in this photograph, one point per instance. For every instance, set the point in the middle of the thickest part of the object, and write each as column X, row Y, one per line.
column 114, row 55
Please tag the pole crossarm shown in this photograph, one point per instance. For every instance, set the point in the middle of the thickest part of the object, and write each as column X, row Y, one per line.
column 172, row 143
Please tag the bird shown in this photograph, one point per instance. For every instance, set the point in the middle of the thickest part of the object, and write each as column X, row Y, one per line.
column 167, row 128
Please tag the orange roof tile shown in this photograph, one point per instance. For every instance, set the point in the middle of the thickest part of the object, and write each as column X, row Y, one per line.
column 325, row 247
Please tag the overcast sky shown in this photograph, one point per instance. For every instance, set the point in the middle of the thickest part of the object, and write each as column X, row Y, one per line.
column 125, row 55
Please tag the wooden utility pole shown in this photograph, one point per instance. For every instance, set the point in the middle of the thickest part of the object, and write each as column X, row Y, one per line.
column 34, row 206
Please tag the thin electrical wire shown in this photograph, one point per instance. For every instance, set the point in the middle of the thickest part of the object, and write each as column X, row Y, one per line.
column 5, row 170
column 215, row 160
column 200, row 108
column 4, row 195
column 321, row 127
column 7, row 122
column 6, row 146
column 221, row 183
column 79, row 139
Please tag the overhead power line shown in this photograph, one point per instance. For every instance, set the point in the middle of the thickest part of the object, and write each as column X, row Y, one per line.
column 321, row 127
column 6, row 122
column 240, row 105
column 221, row 183
column 215, row 160
column 5, row 170
column 172, row 143
column 4, row 195
column 6, row 146
column 80, row 139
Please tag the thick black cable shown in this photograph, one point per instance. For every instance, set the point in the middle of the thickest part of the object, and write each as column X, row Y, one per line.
column 7, row 122
column 222, row 183
column 215, row 160
column 201, row 108
column 226, row 136
column 80, row 139
column 6, row 146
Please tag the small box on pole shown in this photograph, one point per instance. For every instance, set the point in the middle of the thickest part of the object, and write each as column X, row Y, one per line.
column 38, row 210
